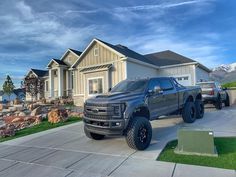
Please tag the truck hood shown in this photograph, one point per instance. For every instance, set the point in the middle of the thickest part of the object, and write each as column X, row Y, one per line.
column 116, row 97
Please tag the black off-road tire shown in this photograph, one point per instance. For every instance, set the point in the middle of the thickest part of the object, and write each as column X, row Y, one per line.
column 189, row 112
column 139, row 133
column 93, row 136
column 227, row 101
column 200, row 110
column 218, row 104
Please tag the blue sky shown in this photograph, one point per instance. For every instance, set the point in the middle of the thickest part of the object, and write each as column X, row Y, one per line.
column 32, row 32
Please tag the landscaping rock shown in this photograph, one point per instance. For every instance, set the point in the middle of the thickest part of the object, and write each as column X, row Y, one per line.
column 2, row 107
column 44, row 116
column 32, row 106
column 16, row 102
column 75, row 114
column 56, row 116
column 36, row 111
column 38, row 120
column 7, row 130
column 22, row 114
column 21, row 122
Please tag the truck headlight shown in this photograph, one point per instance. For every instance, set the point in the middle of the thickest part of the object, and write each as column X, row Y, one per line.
column 118, row 109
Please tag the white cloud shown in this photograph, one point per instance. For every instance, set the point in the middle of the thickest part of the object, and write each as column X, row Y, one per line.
column 158, row 6
column 201, row 51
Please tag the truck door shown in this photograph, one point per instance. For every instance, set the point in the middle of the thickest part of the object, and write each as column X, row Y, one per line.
column 155, row 100
column 170, row 94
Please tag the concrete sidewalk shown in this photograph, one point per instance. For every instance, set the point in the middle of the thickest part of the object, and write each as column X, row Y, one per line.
column 65, row 151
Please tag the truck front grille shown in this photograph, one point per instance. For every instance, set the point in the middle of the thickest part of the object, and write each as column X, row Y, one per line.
column 98, row 111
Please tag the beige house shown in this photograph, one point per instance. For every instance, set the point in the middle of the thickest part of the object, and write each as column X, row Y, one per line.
column 102, row 65
column 61, row 77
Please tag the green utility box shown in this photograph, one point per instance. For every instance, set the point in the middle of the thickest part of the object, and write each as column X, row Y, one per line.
column 196, row 141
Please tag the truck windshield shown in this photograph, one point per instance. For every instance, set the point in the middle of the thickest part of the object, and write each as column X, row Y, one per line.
column 130, row 86
column 206, row 85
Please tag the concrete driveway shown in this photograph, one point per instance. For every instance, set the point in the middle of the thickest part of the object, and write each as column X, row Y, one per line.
column 65, row 151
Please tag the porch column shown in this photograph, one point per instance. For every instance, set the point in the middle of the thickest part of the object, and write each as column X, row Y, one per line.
column 67, row 83
column 60, row 82
column 51, row 82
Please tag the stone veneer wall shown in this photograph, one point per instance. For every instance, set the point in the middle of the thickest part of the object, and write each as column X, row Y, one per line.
column 232, row 95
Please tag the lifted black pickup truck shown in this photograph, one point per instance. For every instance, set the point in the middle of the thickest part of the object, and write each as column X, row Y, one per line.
column 131, row 104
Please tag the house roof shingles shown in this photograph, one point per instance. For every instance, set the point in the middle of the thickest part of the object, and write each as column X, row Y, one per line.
column 60, row 62
column 168, row 57
column 18, row 91
column 76, row 51
column 128, row 52
column 40, row 73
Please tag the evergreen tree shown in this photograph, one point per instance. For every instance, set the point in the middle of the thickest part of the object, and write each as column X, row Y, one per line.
column 8, row 86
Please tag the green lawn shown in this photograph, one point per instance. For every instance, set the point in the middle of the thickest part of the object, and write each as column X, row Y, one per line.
column 226, row 148
column 230, row 84
column 45, row 125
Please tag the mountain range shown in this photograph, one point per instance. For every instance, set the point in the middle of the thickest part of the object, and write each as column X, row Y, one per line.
column 224, row 73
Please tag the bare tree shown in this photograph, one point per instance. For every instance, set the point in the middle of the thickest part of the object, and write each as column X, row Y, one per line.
column 33, row 86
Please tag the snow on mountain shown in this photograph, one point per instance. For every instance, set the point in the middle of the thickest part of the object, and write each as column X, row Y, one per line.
column 227, row 68
column 224, row 73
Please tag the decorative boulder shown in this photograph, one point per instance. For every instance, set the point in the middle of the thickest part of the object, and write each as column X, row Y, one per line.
column 1, row 107
column 75, row 114
column 36, row 111
column 21, row 122
column 7, row 130
column 22, row 114
column 43, row 101
column 56, row 116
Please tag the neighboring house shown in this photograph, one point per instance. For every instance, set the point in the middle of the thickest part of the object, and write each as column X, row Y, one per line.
column 16, row 94
column 43, row 75
column 102, row 65
column 20, row 93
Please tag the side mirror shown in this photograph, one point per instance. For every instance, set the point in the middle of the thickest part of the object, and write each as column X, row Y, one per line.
column 157, row 89
column 224, row 88
column 109, row 89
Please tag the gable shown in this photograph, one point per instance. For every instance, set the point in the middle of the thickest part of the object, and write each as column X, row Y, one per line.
column 53, row 64
column 31, row 74
column 97, row 54
column 69, row 58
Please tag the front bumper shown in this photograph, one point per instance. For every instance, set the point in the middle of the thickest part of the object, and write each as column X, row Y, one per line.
column 105, row 126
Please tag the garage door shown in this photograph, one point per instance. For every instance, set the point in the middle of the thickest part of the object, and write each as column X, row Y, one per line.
column 184, row 80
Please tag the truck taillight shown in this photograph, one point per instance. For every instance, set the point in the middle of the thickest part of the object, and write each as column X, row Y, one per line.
column 212, row 92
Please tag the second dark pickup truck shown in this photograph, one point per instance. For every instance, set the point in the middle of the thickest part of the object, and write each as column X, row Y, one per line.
column 130, row 106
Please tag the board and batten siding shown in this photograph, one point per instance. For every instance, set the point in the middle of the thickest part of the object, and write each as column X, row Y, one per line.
column 135, row 70
column 201, row 75
column 179, row 71
column 69, row 58
column 111, row 77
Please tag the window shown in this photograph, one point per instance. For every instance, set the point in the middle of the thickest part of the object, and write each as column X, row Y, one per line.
column 130, row 86
column 69, row 59
column 186, row 78
column 95, row 52
column 153, row 84
column 95, row 86
column 55, row 73
column 46, row 86
column 166, row 84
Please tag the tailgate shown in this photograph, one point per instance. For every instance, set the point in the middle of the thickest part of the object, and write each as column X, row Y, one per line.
column 207, row 91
